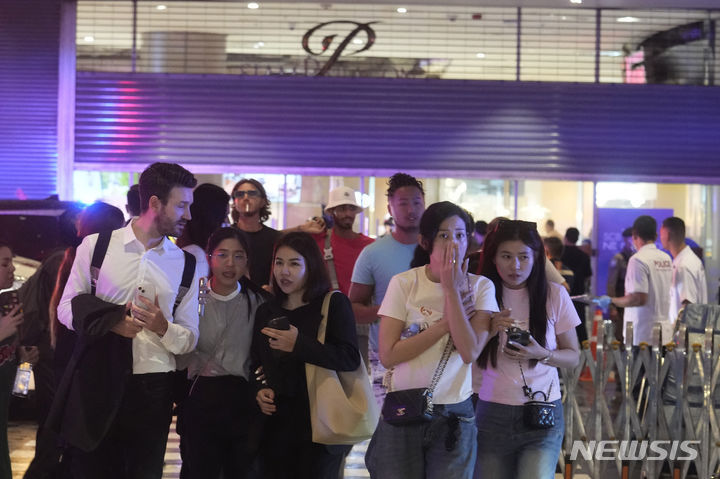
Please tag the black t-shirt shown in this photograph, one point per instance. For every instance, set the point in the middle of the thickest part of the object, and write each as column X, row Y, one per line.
column 285, row 372
column 575, row 259
column 261, row 245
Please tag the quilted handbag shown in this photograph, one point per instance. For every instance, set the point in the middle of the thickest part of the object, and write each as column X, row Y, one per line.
column 539, row 414
column 407, row 406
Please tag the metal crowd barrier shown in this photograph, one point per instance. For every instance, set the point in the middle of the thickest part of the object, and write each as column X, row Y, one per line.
column 668, row 391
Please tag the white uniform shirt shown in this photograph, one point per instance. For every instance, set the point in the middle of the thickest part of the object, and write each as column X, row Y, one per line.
column 412, row 298
column 688, row 281
column 126, row 265
column 649, row 271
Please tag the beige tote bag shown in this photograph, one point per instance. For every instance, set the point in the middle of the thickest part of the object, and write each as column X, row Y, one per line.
column 342, row 404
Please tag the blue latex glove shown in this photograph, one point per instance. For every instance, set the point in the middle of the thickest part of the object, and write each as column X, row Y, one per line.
column 603, row 302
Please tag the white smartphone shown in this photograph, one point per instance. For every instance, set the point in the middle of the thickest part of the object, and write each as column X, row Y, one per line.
column 146, row 290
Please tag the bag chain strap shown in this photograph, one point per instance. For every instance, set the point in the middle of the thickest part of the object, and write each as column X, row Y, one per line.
column 449, row 346
column 527, row 391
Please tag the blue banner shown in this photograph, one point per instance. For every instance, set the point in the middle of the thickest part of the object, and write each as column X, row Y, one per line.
column 611, row 223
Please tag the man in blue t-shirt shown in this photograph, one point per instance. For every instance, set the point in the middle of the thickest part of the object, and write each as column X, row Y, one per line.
column 382, row 260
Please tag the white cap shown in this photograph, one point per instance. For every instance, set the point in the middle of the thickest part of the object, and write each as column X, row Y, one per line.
column 342, row 195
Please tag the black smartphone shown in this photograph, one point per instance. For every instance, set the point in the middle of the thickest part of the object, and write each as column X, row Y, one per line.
column 517, row 335
column 8, row 300
column 281, row 322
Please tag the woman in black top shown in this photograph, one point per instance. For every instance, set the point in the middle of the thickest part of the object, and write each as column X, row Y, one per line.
column 300, row 282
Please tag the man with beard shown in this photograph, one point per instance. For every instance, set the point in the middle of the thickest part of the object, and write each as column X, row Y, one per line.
column 142, row 333
column 340, row 246
column 251, row 208
column 386, row 257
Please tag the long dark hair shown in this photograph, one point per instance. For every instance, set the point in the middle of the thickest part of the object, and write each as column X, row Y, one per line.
column 264, row 210
column 208, row 211
column 509, row 230
column 228, row 232
column 317, row 281
column 430, row 222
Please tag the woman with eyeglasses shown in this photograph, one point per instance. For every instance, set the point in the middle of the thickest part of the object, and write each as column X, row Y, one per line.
column 285, row 339
column 434, row 310
column 518, row 365
column 219, row 410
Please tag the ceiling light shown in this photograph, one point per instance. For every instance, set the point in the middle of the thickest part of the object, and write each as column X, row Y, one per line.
column 259, row 44
column 89, row 39
column 628, row 19
column 253, row 5
column 357, row 41
column 402, row 10
column 161, row 7
column 610, row 53
column 576, row 2
column 480, row 55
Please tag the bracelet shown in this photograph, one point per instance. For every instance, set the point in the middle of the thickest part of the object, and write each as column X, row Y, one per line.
column 547, row 358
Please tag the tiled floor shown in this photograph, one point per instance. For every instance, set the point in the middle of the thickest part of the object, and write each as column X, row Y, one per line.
column 22, row 449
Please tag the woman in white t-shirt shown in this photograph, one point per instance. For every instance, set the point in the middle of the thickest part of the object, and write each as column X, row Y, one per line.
column 422, row 310
column 514, row 259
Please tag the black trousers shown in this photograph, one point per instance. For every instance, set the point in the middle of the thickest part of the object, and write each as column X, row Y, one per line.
column 287, row 450
column 219, row 421
column 134, row 447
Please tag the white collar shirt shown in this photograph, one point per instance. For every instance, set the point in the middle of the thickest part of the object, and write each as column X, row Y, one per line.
column 649, row 271
column 127, row 264
column 688, row 281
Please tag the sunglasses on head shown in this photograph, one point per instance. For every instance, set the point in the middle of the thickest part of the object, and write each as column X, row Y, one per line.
column 520, row 224
column 251, row 194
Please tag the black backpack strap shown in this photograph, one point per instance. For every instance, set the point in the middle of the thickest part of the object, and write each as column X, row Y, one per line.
column 98, row 257
column 186, row 281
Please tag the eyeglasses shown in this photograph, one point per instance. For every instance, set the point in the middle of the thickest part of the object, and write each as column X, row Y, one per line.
column 250, row 193
column 237, row 257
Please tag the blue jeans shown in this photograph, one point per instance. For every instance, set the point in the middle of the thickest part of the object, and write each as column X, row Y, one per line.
column 442, row 448
column 510, row 450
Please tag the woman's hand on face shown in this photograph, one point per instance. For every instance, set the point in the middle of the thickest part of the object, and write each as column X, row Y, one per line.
column 453, row 269
column 282, row 340
column 525, row 353
column 501, row 321
column 266, row 400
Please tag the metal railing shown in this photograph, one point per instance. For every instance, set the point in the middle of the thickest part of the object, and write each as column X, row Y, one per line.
column 667, row 397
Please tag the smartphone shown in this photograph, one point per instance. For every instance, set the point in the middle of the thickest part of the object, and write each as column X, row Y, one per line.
column 146, row 290
column 8, row 300
column 517, row 335
column 281, row 322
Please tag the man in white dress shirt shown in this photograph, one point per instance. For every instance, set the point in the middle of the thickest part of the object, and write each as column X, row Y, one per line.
column 688, row 277
column 141, row 253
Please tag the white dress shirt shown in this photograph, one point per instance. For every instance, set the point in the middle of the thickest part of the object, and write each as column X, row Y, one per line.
column 688, row 281
column 126, row 265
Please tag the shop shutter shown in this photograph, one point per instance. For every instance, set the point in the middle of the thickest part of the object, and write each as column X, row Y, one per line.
column 378, row 126
column 29, row 46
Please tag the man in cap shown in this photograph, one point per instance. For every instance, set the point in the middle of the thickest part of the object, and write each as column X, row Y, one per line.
column 341, row 247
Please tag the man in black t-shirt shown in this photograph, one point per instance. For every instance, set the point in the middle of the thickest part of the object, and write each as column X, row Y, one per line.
column 579, row 262
column 251, row 208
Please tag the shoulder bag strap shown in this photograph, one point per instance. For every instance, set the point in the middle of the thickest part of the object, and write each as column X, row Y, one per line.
column 329, row 260
column 101, row 247
column 187, row 277
column 324, row 312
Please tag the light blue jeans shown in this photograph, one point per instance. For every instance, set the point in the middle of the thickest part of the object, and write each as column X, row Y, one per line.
column 508, row 449
column 443, row 448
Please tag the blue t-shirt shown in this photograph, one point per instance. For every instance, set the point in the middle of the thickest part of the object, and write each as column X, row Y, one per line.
column 376, row 265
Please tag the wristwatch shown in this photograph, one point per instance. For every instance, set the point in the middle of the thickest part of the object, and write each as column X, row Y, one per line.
column 547, row 358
